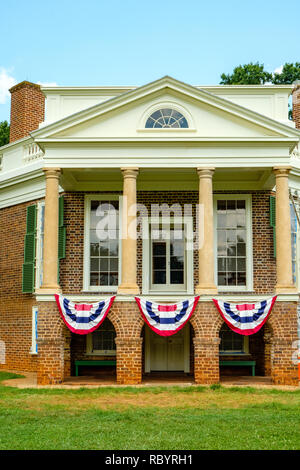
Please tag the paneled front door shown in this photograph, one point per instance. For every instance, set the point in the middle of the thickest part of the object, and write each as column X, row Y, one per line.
column 167, row 353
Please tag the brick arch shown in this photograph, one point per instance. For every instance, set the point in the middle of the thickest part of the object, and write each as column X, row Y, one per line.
column 206, row 321
column 126, row 319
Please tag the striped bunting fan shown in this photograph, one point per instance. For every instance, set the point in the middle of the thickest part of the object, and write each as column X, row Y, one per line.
column 245, row 319
column 166, row 319
column 83, row 318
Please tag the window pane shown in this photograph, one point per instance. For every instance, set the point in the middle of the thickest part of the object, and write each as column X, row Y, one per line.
column 159, row 262
column 104, row 264
column 159, row 277
column 177, row 262
column 94, row 264
column 177, row 277
column 159, row 248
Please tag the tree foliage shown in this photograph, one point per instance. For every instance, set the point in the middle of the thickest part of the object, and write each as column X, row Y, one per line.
column 247, row 74
column 290, row 73
column 4, row 133
column 255, row 74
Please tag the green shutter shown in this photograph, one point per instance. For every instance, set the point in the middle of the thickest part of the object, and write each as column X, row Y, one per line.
column 61, row 232
column 273, row 221
column 29, row 251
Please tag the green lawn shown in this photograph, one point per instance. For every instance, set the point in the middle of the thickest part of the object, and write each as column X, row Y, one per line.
column 149, row 418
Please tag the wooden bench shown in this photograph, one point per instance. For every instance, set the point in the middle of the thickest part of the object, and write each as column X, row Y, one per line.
column 251, row 364
column 93, row 364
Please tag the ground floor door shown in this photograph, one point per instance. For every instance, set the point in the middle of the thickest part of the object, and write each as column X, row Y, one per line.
column 167, row 353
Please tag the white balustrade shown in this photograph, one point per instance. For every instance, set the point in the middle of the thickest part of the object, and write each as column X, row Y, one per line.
column 32, row 152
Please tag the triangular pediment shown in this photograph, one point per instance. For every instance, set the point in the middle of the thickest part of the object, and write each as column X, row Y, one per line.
column 124, row 117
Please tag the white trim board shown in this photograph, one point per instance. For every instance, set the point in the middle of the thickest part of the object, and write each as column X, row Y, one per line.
column 171, row 298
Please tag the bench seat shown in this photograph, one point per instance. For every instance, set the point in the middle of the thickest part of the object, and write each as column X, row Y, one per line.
column 93, row 364
column 251, row 364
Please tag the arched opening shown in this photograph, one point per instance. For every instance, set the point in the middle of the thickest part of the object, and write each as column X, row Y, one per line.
column 93, row 356
column 245, row 359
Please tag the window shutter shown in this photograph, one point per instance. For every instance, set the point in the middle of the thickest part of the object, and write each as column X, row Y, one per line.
column 61, row 232
column 29, row 251
column 273, row 221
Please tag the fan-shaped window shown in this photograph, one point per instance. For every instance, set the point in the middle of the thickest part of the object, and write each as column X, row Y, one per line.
column 166, row 118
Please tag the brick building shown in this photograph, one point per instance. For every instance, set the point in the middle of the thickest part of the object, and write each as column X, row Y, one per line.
column 209, row 169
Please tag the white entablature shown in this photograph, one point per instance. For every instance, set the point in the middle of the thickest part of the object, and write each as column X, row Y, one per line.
column 241, row 143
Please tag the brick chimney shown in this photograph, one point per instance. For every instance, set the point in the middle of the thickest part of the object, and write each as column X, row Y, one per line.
column 296, row 103
column 27, row 109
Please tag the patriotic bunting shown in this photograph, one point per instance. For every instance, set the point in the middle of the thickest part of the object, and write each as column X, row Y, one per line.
column 166, row 319
column 83, row 318
column 245, row 319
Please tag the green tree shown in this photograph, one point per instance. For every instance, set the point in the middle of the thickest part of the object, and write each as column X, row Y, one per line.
column 247, row 74
column 290, row 73
column 4, row 133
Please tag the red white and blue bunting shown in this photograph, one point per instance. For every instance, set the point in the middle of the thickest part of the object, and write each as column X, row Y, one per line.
column 245, row 319
column 166, row 319
column 83, row 318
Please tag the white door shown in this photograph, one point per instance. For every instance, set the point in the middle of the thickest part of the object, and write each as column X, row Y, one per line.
column 167, row 353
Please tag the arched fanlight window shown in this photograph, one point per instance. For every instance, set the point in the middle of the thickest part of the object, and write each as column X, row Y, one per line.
column 166, row 118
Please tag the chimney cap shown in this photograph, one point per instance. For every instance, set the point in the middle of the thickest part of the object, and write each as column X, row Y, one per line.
column 24, row 84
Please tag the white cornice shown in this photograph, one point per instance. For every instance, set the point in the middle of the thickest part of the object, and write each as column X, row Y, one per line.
column 168, row 138
column 170, row 298
column 21, row 174
column 179, row 87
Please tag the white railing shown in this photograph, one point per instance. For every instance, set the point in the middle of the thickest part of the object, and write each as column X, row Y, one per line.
column 32, row 152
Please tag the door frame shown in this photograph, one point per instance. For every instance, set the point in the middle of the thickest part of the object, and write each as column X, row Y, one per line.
column 186, row 349
column 189, row 261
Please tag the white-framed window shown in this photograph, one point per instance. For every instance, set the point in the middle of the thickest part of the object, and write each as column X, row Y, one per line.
column 102, row 243
column 102, row 341
column 40, row 220
column 166, row 118
column 232, row 343
column 233, row 242
column 167, row 254
column 34, row 331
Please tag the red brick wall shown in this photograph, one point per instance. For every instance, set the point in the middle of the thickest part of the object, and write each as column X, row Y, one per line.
column 296, row 106
column 15, row 307
column 27, row 109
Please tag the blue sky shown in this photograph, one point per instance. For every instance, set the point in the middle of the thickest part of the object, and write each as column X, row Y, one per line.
column 131, row 42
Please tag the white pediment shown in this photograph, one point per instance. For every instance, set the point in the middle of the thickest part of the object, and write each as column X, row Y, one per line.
column 124, row 117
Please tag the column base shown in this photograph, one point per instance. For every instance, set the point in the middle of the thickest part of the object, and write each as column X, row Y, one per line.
column 127, row 289
column 282, row 289
column 208, row 289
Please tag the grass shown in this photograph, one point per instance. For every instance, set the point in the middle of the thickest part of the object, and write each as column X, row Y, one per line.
column 166, row 418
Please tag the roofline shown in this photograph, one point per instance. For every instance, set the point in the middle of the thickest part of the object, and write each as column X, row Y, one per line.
column 69, row 89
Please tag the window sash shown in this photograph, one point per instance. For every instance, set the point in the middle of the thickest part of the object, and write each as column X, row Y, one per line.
column 87, row 239
column 249, row 253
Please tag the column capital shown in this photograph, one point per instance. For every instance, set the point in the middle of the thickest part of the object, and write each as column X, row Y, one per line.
column 52, row 172
column 205, row 172
column 130, row 172
column 281, row 170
